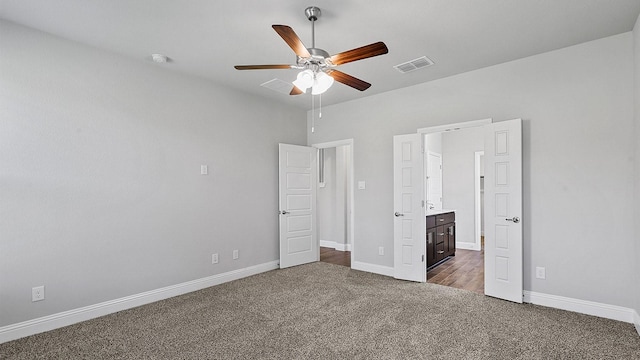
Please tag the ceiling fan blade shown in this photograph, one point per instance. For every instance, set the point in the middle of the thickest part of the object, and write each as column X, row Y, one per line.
column 360, row 53
column 349, row 80
column 292, row 39
column 296, row 91
column 262, row 67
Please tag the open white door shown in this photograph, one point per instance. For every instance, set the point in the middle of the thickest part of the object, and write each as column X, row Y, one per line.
column 434, row 180
column 297, row 180
column 409, row 224
column 503, row 210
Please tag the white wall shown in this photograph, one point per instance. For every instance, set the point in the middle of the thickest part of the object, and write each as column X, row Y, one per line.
column 326, row 198
column 340, row 211
column 100, row 185
column 578, row 142
column 458, row 178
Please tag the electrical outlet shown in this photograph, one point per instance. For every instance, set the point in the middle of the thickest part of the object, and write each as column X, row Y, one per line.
column 381, row 250
column 214, row 258
column 541, row 273
column 235, row 254
column 37, row 293
column 204, row 170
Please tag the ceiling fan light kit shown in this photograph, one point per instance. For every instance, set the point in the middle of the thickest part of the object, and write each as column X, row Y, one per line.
column 317, row 65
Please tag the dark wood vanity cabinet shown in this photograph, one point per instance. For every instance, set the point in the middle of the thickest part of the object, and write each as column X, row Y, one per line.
column 441, row 237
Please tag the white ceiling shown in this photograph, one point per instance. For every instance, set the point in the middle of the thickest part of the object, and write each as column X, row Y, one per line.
column 206, row 38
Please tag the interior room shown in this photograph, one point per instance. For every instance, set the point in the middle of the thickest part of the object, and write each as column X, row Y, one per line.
column 194, row 162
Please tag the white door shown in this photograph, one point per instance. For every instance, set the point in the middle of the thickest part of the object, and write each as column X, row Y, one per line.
column 503, row 210
column 434, row 181
column 409, row 224
column 297, row 180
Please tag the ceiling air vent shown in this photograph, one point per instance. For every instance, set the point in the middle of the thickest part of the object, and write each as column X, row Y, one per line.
column 414, row 64
column 278, row 85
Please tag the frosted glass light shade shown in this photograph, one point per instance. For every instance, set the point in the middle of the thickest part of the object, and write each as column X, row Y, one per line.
column 304, row 80
column 323, row 83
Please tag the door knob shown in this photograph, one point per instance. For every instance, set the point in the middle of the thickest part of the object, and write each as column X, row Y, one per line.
column 283, row 212
column 515, row 219
column 398, row 214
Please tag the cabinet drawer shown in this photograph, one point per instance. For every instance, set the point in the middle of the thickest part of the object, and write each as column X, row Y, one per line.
column 439, row 252
column 445, row 218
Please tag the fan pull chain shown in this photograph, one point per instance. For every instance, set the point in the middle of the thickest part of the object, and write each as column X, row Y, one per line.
column 320, row 111
column 313, row 115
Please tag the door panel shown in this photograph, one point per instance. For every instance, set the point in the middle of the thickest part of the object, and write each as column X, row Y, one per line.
column 434, row 180
column 503, row 210
column 409, row 221
column 297, row 183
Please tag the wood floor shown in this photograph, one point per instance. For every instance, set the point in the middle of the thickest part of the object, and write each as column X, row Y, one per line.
column 463, row 271
column 333, row 256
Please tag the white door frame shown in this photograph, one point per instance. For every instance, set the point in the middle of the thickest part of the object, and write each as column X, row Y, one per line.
column 454, row 126
column 350, row 188
column 478, row 206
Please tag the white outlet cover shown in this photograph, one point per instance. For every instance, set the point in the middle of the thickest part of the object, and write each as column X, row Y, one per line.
column 37, row 293
column 541, row 273
column 380, row 250
column 204, row 170
column 362, row 185
column 214, row 258
column 235, row 254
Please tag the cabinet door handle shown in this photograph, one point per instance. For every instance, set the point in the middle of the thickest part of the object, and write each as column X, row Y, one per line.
column 441, row 234
column 440, row 219
column 440, row 251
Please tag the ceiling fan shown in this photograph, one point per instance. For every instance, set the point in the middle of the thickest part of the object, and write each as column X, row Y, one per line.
column 317, row 66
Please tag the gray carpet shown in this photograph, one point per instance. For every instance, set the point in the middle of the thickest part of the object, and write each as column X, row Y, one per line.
column 324, row 311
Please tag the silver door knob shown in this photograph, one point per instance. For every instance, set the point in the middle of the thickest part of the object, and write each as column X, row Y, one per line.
column 398, row 214
column 515, row 219
column 283, row 212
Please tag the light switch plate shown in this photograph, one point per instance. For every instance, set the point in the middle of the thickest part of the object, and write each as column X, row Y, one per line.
column 362, row 185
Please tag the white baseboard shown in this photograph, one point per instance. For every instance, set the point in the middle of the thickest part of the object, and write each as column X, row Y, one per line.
column 636, row 321
column 55, row 321
column 376, row 269
column 335, row 245
column 467, row 246
column 582, row 306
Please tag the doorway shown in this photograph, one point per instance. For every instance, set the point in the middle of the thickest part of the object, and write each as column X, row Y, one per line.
column 454, row 155
column 334, row 202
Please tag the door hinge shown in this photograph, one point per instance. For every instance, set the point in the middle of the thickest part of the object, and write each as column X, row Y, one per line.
column 423, row 258
column 422, row 203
